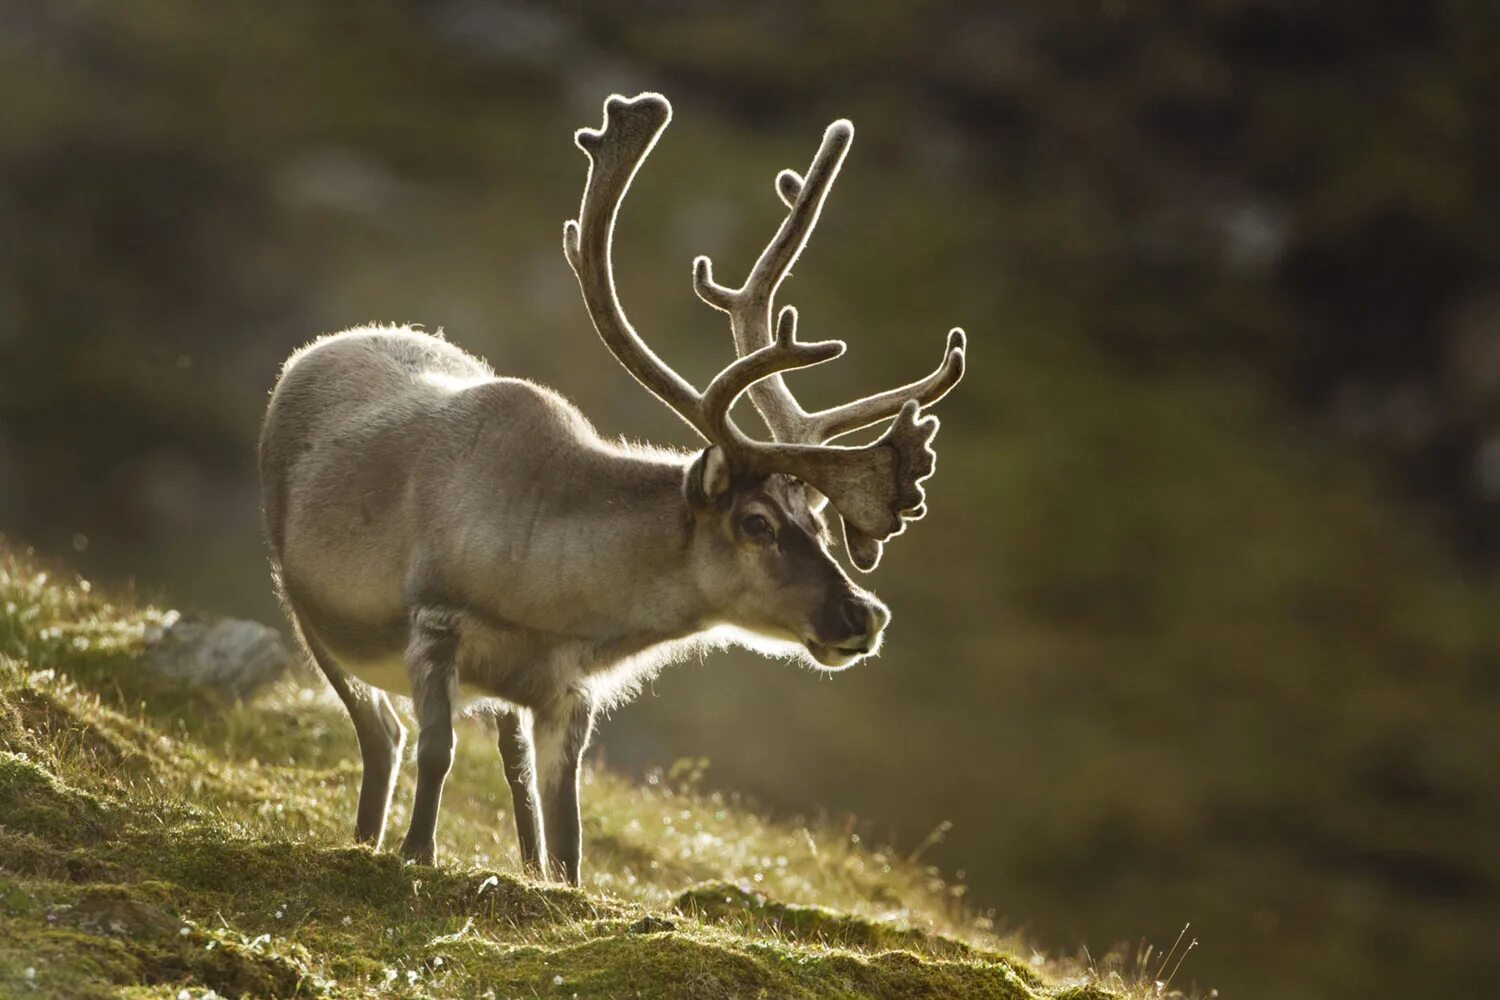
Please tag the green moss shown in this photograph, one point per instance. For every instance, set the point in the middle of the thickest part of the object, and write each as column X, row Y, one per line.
column 229, row 967
column 29, row 854
column 33, row 800
column 690, row 965
column 111, row 937
column 726, row 902
column 50, row 962
column 349, row 880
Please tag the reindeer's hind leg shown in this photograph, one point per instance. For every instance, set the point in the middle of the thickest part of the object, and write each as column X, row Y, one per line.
column 430, row 653
column 515, row 754
column 381, row 738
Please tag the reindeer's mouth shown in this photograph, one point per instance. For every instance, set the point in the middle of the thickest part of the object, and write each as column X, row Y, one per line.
column 838, row 657
column 848, row 628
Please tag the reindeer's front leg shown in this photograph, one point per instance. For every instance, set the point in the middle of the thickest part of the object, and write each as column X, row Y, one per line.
column 430, row 654
column 560, row 733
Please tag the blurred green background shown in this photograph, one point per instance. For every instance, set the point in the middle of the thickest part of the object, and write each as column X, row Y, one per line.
column 1203, row 624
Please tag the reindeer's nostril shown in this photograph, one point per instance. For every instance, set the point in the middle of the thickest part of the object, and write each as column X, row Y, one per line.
column 849, row 627
column 861, row 617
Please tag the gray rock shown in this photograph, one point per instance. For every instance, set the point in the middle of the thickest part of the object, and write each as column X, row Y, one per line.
column 234, row 657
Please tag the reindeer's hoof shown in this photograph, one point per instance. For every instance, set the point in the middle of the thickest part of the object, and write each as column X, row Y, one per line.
column 421, row 853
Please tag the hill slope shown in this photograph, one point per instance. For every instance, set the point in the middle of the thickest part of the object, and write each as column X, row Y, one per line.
column 153, row 841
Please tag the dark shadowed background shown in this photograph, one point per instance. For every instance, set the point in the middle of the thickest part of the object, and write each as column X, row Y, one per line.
column 1203, row 624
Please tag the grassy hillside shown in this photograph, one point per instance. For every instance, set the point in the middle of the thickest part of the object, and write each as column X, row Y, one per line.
column 153, row 841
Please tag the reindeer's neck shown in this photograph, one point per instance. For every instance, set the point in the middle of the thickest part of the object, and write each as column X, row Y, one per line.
column 644, row 549
column 604, row 552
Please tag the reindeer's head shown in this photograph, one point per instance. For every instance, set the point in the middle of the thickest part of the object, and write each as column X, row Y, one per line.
column 756, row 503
column 760, row 553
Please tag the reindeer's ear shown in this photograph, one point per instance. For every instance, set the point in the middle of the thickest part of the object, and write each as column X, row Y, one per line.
column 708, row 477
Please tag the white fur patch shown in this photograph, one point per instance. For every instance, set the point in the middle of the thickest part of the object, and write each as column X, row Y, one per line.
column 452, row 383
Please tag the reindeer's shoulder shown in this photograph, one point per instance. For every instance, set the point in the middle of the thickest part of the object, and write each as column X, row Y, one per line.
column 520, row 401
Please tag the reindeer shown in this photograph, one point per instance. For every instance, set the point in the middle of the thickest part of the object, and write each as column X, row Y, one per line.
column 440, row 529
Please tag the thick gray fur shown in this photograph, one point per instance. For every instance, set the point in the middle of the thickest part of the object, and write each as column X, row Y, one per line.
column 435, row 528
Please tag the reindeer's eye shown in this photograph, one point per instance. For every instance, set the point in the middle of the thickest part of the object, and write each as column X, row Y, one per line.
column 758, row 528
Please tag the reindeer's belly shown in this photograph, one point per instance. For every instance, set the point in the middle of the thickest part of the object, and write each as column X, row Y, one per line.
column 385, row 672
column 514, row 664
column 522, row 665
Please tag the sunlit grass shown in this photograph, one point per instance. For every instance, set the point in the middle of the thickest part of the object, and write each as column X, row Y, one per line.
column 155, row 839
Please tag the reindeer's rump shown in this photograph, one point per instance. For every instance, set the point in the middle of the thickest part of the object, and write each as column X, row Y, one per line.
column 347, row 424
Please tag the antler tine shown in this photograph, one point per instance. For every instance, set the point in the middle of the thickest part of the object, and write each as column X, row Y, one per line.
column 785, row 353
column 788, row 187
column 615, row 152
column 749, row 306
column 825, row 425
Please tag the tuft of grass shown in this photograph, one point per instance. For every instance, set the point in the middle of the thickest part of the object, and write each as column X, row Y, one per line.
column 153, row 840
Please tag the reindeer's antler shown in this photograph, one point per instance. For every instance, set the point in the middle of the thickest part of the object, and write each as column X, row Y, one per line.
column 615, row 152
column 749, row 308
column 875, row 488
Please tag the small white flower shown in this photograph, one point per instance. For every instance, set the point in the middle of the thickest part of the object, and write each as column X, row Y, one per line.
column 347, row 920
column 28, row 973
column 184, row 995
column 184, row 931
column 557, row 980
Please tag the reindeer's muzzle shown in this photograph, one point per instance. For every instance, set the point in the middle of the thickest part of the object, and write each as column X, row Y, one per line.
column 849, row 628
